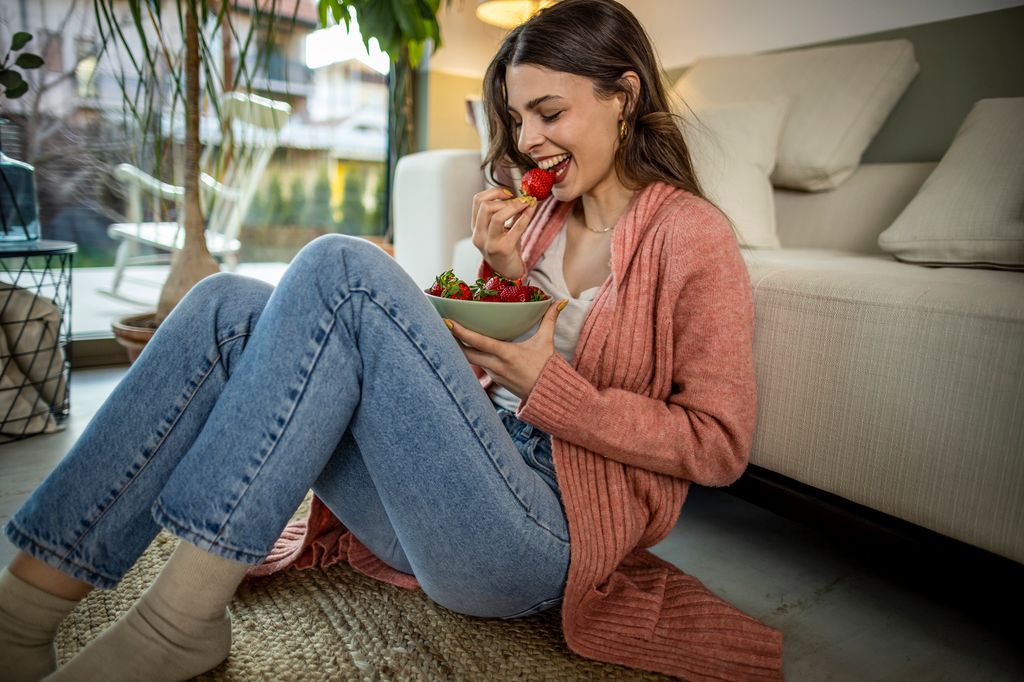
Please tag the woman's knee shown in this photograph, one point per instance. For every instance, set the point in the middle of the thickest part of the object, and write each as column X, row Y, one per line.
column 352, row 256
column 238, row 290
column 225, row 298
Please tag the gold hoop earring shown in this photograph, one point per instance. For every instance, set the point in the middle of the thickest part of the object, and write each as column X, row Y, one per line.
column 622, row 129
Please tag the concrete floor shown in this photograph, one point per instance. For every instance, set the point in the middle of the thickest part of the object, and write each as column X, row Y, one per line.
column 845, row 616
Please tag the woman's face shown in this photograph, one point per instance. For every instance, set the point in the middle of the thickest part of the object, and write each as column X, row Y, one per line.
column 558, row 114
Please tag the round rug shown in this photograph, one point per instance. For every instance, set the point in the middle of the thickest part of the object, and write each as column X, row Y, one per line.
column 337, row 624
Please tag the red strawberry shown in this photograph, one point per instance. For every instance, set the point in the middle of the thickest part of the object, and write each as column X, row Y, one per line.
column 487, row 295
column 483, row 292
column 537, row 183
column 497, row 283
column 537, row 294
column 447, row 285
column 518, row 294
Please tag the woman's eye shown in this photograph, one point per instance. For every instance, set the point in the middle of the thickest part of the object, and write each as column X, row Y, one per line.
column 551, row 118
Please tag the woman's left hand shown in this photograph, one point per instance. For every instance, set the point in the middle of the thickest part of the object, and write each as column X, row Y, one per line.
column 516, row 366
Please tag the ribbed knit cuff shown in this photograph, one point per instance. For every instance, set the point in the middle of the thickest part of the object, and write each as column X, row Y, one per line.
column 555, row 402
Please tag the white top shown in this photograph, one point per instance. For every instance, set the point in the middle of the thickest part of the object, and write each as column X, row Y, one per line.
column 547, row 274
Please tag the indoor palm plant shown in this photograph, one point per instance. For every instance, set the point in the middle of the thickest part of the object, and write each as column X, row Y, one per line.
column 403, row 29
column 159, row 53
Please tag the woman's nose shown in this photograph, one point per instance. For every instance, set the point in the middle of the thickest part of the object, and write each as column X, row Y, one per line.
column 529, row 137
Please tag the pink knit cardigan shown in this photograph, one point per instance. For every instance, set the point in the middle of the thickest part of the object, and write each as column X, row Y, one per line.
column 660, row 393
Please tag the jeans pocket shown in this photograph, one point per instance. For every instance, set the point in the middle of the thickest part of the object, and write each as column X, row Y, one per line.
column 538, row 454
column 536, row 608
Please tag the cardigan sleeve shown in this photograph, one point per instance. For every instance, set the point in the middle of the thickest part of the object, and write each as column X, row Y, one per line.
column 703, row 431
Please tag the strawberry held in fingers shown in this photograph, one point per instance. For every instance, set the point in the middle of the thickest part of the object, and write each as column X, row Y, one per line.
column 537, row 183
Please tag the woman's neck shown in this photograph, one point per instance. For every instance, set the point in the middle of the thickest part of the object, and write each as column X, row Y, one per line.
column 599, row 211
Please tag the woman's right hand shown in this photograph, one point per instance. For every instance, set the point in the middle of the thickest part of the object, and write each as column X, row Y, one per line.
column 497, row 242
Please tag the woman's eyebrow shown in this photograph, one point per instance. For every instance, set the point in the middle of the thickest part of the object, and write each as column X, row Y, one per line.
column 533, row 103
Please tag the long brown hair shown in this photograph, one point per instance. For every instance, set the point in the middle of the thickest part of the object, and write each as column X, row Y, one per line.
column 599, row 40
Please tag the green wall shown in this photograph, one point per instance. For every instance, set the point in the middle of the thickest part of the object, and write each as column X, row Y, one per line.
column 962, row 60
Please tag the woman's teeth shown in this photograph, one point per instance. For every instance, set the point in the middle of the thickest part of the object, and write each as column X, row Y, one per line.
column 546, row 164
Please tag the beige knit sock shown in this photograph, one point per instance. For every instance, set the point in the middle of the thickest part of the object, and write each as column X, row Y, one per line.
column 177, row 629
column 29, row 618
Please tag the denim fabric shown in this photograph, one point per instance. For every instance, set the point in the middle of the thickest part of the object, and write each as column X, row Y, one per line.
column 534, row 445
column 342, row 378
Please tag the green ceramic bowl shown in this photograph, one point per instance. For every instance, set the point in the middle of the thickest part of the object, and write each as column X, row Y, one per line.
column 503, row 321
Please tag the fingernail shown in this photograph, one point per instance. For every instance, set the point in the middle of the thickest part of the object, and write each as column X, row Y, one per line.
column 448, row 323
column 507, row 191
column 561, row 306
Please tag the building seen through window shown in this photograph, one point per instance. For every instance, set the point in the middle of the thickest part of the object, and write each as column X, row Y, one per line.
column 327, row 174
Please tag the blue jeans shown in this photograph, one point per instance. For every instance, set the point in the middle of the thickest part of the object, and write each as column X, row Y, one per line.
column 342, row 379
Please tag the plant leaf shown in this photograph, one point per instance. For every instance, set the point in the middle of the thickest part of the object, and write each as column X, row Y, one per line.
column 9, row 79
column 16, row 92
column 27, row 60
column 415, row 53
column 19, row 40
column 405, row 16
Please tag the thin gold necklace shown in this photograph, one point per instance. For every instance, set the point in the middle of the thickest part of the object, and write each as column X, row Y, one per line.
column 583, row 222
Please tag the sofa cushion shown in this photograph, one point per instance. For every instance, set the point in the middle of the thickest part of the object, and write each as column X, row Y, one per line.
column 732, row 147
column 851, row 216
column 841, row 96
column 895, row 386
column 970, row 210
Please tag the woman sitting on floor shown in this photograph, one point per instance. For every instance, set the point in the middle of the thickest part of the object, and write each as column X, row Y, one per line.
column 538, row 480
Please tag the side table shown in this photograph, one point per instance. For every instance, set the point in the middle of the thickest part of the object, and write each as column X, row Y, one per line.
column 35, row 328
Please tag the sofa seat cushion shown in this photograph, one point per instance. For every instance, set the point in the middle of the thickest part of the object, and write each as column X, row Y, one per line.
column 896, row 386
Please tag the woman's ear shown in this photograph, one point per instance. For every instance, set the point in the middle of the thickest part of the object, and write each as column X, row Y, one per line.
column 632, row 82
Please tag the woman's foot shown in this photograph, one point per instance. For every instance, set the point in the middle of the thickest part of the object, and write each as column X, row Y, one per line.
column 154, row 641
column 178, row 629
column 29, row 618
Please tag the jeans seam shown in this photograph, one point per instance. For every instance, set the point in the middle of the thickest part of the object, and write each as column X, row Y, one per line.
column 25, row 537
column 490, row 455
column 183, row 531
column 155, row 452
column 291, row 412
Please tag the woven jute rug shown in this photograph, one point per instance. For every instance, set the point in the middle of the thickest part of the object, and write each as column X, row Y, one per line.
column 337, row 624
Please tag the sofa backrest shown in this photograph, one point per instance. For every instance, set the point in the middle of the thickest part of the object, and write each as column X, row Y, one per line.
column 851, row 216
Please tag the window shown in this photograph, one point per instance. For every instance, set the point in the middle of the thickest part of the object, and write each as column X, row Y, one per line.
column 85, row 68
column 326, row 175
column 52, row 51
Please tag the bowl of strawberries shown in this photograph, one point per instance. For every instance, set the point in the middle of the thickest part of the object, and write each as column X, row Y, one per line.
column 496, row 307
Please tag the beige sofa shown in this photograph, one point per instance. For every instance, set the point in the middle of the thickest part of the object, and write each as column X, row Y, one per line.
column 895, row 385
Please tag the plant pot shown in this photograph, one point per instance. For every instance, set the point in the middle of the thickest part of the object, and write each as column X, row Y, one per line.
column 134, row 332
